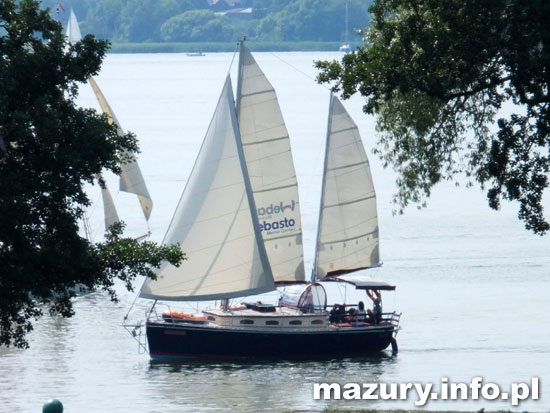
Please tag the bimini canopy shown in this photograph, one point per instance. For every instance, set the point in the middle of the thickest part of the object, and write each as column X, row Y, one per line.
column 307, row 297
column 364, row 282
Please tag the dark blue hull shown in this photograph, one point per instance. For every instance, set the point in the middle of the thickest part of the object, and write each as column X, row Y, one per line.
column 187, row 340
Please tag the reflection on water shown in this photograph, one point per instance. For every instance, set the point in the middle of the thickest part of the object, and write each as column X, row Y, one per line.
column 265, row 384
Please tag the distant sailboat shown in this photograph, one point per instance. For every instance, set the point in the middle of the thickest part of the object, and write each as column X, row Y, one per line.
column 131, row 178
column 238, row 221
column 346, row 47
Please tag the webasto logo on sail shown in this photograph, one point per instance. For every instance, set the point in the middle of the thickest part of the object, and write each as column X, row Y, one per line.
column 271, row 223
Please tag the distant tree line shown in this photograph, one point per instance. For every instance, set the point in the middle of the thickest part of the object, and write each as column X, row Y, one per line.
column 205, row 21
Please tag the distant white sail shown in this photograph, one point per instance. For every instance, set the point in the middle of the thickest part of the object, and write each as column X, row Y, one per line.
column 73, row 29
column 348, row 223
column 273, row 178
column 131, row 179
column 111, row 216
column 215, row 223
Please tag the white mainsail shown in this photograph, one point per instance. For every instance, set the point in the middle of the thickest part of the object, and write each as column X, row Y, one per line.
column 269, row 161
column 348, row 223
column 216, row 223
column 131, row 179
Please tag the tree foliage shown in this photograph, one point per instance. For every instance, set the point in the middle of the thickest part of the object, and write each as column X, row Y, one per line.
column 272, row 20
column 437, row 74
column 196, row 26
column 313, row 20
column 48, row 149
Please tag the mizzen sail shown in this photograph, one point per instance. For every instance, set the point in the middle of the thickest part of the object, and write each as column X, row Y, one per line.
column 269, row 161
column 348, row 222
column 216, row 223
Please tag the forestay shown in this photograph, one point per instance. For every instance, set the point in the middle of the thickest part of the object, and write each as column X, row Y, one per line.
column 216, row 223
column 348, row 223
column 269, row 161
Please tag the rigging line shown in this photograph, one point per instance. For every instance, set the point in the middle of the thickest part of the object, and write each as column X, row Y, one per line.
column 298, row 70
column 233, row 59
column 292, row 66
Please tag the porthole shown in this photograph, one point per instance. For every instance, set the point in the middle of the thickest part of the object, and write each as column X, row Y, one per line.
column 247, row 321
column 295, row 323
column 272, row 323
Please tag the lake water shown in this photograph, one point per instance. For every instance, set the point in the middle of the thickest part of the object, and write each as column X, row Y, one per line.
column 471, row 282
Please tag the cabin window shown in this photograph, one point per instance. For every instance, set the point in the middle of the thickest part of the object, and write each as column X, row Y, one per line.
column 247, row 321
column 210, row 318
column 317, row 322
column 272, row 323
column 295, row 323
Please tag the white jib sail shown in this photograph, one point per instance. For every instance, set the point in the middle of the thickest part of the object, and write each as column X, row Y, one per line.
column 269, row 160
column 348, row 223
column 215, row 223
column 131, row 179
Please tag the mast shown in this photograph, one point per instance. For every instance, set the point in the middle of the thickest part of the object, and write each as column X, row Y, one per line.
column 239, row 78
column 346, row 34
column 318, row 240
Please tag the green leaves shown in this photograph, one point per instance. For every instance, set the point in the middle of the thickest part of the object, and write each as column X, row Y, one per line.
column 48, row 149
column 437, row 74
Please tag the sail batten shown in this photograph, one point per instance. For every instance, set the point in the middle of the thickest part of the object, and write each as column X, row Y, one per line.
column 352, row 201
column 367, row 234
column 216, row 223
column 348, row 223
column 268, row 156
column 266, row 141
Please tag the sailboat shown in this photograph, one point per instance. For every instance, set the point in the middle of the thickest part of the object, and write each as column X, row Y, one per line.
column 131, row 178
column 346, row 47
column 238, row 221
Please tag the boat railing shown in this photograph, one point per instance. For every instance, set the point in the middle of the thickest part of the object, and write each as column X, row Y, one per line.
column 137, row 331
column 394, row 318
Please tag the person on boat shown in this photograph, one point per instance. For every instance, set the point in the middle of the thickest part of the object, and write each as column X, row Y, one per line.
column 374, row 316
column 360, row 314
column 337, row 314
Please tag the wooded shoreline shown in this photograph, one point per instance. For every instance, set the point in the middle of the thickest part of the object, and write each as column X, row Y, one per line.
column 216, row 47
